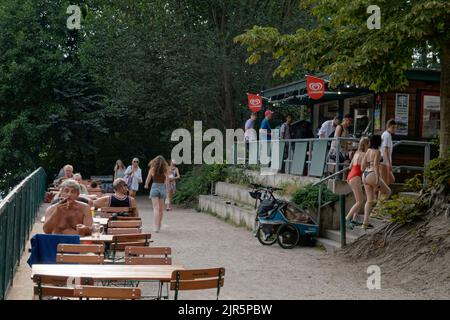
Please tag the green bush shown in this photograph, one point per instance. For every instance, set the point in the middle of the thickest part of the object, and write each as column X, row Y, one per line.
column 307, row 197
column 437, row 172
column 237, row 175
column 414, row 184
column 198, row 181
column 400, row 209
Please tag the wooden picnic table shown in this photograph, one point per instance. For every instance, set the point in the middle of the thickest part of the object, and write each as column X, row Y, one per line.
column 117, row 272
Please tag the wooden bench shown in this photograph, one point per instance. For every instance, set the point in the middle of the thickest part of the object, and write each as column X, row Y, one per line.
column 120, row 242
column 197, row 279
column 80, row 253
column 148, row 255
column 107, row 212
column 124, row 231
column 56, row 286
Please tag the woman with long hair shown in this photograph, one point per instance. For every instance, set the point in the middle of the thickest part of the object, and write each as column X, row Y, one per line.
column 174, row 175
column 119, row 170
column 354, row 180
column 158, row 174
column 372, row 177
column 133, row 176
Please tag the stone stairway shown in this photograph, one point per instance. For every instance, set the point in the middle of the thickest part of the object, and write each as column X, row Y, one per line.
column 233, row 204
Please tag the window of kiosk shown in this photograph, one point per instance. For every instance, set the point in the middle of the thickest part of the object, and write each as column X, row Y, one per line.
column 362, row 110
column 323, row 112
column 430, row 115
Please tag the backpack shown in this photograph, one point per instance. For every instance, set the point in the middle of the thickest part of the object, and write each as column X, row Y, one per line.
column 265, row 207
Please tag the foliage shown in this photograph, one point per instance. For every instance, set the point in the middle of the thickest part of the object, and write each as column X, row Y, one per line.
column 400, row 209
column 118, row 87
column 307, row 196
column 342, row 45
column 198, row 181
column 238, row 175
column 288, row 188
column 437, row 173
column 414, row 184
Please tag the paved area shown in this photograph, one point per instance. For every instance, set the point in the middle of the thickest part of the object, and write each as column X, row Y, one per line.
column 253, row 271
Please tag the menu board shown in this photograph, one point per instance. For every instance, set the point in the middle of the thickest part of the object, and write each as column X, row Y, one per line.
column 401, row 113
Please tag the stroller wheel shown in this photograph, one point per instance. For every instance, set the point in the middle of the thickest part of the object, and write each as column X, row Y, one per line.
column 288, row 236
column 266, row 237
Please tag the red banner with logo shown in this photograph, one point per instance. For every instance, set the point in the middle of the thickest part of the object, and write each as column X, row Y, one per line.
column 315, row 87
column 254, row 102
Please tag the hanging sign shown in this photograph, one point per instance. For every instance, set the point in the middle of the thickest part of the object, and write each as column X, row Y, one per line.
column 254, row 102
column 315, row 87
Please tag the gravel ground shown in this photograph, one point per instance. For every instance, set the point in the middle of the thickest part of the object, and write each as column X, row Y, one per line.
column 253, row 271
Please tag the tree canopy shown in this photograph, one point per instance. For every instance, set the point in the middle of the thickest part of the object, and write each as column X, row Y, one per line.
column 343, row 46
column 134, row 72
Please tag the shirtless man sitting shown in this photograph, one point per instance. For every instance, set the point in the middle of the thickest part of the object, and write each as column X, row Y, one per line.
column 119, row 198
column 69, row 216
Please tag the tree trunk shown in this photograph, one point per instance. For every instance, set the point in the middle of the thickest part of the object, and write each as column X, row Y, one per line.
column 228, row 100
column 445, row 100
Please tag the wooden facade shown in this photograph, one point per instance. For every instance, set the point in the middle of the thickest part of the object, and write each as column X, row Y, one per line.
column 415, row 90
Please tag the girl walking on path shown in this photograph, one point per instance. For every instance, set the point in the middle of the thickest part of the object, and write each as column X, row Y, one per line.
column 119, row 170
column 158, row 175
column 354, row 179
column 372, row 178
column 174, row 175
column 133, row 176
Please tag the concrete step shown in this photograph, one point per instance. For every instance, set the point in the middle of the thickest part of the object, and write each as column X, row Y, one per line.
column 239, row 214
column 239, row 193
column 269, row 178
column 397, row 187
column 335, row 235
column 234, row 192
column 413, row 195
column 329, row 245
column 373, row 221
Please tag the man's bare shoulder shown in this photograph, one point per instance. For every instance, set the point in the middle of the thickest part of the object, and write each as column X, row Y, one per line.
column 82, row 205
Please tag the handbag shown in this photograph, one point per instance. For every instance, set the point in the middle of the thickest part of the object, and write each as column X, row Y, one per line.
column 129, row 179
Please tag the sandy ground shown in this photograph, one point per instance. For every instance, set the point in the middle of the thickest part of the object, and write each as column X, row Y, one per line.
column 253, row 271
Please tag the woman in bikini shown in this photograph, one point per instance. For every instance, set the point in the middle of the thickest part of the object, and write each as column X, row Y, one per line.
column 354, row 180
column 372, row 177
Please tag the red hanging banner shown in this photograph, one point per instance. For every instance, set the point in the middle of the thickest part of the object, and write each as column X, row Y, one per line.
column 315, row 87
column 254, row 102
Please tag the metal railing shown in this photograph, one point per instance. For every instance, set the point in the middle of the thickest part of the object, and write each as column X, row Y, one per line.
column 18, row 212
column 342, row 221
column 325, row 178
column 288, row 160
column 290, row 143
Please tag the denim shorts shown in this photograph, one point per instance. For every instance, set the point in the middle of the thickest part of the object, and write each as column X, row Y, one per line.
column 158, row 190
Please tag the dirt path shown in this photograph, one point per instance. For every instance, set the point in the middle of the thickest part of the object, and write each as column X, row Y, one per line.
column 253, row 271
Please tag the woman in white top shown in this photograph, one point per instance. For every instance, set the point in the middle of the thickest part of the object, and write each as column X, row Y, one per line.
column 119, row 170
column 171, row 183
column 133, row 176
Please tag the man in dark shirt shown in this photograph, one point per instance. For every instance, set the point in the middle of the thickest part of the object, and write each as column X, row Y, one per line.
column 119, row 198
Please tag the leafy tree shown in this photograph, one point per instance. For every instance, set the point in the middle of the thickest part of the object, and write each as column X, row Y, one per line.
column 50, row 110
column 343, row 46
column 119, row 86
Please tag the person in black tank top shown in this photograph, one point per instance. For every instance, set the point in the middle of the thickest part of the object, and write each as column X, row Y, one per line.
column 115, row 201
column 119, row 198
